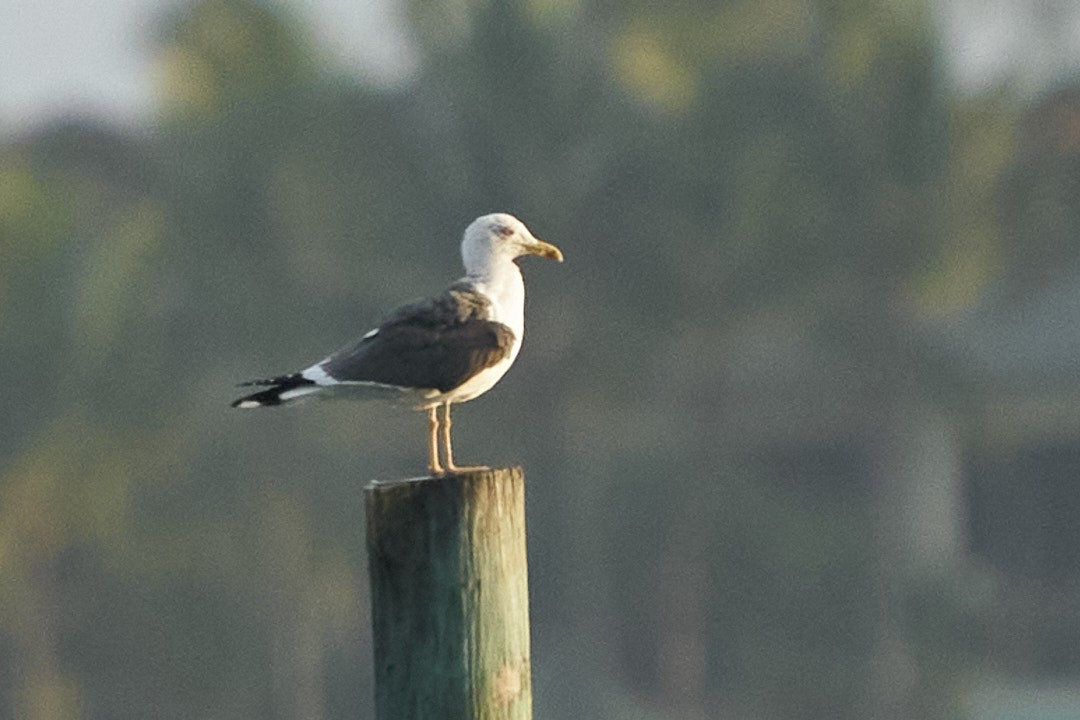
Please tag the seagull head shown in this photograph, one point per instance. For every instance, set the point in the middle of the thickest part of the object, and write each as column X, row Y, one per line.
column 500, row 237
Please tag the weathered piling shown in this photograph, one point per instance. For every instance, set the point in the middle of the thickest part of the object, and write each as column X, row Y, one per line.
column 449, row 595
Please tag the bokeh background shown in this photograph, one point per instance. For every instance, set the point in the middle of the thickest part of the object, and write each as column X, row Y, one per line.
column 800, row 414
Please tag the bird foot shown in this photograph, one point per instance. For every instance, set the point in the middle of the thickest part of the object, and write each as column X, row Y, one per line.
column 451, row 469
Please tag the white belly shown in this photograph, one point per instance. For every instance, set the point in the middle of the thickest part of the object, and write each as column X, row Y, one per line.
column 478, row 384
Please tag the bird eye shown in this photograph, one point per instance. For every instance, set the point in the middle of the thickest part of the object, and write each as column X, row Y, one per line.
column 504, row 231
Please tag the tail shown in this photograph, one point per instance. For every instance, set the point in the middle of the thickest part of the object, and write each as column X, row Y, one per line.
column 278, row 390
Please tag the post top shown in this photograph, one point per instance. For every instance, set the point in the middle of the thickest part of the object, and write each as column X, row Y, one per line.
column 446, row 477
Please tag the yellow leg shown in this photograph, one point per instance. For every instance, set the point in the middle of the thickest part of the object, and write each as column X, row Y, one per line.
column 448, row 448
column 433, row 441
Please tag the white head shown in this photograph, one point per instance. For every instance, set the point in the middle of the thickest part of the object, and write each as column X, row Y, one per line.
column 500, row 238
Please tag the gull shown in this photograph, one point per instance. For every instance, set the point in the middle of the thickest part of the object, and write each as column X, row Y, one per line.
column 437, row 351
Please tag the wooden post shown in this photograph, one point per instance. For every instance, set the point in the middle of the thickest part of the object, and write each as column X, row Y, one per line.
column 449, row 596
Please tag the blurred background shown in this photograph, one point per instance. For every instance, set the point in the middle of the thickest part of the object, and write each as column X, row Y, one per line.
column 800, row 414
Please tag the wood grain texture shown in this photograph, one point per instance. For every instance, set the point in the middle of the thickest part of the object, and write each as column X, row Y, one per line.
column 449, row 594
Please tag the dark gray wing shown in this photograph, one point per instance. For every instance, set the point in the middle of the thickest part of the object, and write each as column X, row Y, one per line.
column 435, row 343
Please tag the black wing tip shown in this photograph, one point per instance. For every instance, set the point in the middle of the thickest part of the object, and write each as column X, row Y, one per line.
column 272, row 395
column 259, row 399
column 293, row 380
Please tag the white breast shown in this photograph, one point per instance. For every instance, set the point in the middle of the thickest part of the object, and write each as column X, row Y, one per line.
column 505, row 288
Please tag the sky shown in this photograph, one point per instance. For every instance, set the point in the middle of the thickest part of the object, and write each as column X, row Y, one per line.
column 73, row 57
column 1028, row 43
